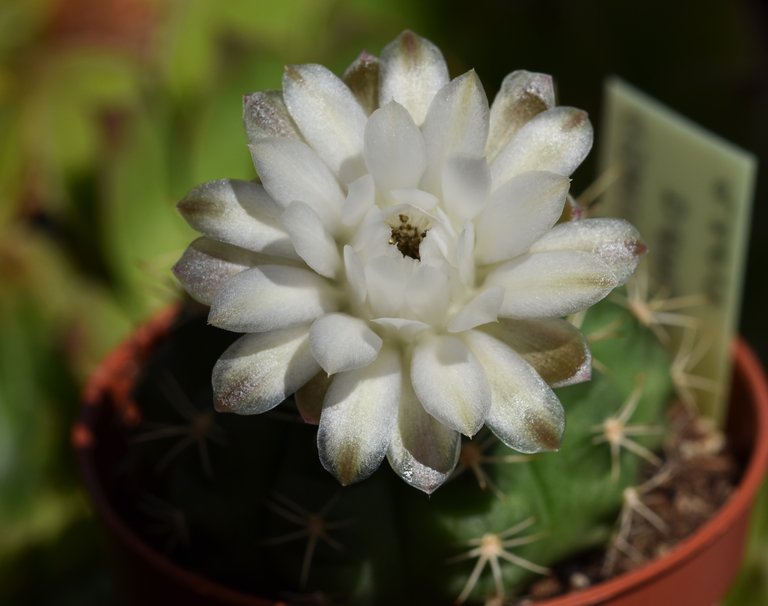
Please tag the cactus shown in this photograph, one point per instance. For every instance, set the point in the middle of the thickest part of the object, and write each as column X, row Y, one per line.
column 259, row 512
column 404, row 269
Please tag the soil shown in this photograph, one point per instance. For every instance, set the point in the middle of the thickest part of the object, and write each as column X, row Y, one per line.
column 698, row 474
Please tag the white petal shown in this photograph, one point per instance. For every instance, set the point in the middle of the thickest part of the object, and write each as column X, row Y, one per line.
column 412, row 71
column 406, row 330
column 415, row 198
column 518, row 214
column 552, row 284
column 291, row 171
column 525, row 413
column 359, row 412
column 554, row 347
column 340, row 342
column 328, row 115
column 457, row 123
column 311, row 240
column 355, row 275
column 394, row 148
column 265, row 115
column 466, row 183
column 522, row 96
column 309, row 398
column 423, row 451
column 450, row 383
column 556, row 140
column 271, row 297
column 386, row 278
column 361, row 196
column 207, row 264
column 465, row 255
column 259, row 371
column 239, row 213
column 362, row 78
column 480, row 310
column 428, row 294
column 615, row 241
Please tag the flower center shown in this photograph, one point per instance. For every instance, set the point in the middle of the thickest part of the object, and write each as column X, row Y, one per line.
column 407, row 234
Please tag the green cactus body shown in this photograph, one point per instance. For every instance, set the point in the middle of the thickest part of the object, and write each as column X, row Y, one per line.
column 270, row 520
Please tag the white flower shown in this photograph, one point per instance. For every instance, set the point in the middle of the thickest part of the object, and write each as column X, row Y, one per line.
column 401, row 262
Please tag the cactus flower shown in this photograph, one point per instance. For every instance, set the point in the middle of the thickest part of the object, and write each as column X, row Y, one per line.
column 402, row 263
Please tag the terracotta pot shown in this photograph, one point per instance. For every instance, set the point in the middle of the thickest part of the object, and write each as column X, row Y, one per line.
column 698, row 571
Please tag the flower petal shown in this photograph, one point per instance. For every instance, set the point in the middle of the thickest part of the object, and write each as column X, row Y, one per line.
column 386, row 278
column 525, row 413
column 270, row 297
column 482, row 309
column 328, row 115
column 466, row 183
column 362, row 78
column 428, row 294
column 615, row 241
column 340, row 342
column 554, row 347
column 394, row 148
column 207, row 264
column 406, row 330
column 258, row 371
column 265, row 116
column 523, row 95
column 465, row 254
column 552, row 284
column 450, row 383
column 423, row 451
column 457, row 123
column 361, row 196
column 239, row 213
column 311, row 240
column 291, row 171
column 518, row 214
column 355, row 274
column 556, row 140
column 412, row 71
column 309, row 398
column 359, row 412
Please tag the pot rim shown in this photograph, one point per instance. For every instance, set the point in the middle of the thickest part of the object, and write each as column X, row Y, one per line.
column 746, row 366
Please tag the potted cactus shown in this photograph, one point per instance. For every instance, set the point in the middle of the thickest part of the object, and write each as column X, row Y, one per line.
column 434, row 400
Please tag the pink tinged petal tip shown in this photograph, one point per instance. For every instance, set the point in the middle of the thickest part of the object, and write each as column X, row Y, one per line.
column 615, row 241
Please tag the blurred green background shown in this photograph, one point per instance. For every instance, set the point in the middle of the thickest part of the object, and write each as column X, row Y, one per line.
column 110, row 110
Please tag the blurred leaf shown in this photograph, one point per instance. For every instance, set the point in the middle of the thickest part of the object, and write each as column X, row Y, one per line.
column 143, row 234
column 73, row 92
